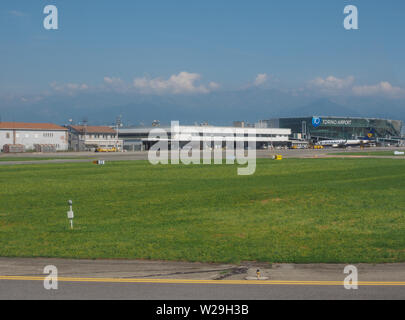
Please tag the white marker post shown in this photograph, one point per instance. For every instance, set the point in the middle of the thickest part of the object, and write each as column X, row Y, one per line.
column 70, row 214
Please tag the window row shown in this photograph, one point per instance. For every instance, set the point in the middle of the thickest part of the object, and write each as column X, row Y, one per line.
column 27, row 135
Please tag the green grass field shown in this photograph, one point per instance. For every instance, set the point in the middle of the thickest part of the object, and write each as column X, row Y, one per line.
column 295, row 210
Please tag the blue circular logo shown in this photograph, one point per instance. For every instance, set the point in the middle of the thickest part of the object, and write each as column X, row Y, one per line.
column 316, row 122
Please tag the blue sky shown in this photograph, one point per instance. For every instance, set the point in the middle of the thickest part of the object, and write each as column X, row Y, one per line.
column 224, row 44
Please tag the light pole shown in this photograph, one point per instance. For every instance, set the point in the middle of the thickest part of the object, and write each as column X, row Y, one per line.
column 117, row 125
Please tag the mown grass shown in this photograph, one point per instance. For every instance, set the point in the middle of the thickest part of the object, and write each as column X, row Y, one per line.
column 295, row 210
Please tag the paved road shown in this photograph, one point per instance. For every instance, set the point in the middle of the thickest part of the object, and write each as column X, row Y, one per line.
column 12, row 289
column 22, row 278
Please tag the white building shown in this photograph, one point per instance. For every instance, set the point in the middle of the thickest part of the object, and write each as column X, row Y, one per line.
column 139, row 138
column 85, row 138
column 31, row 134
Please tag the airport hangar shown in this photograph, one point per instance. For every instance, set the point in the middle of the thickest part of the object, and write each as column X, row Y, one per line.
column 318, row 128
column 139, row 139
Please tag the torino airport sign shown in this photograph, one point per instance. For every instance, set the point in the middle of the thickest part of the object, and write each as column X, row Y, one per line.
column 317, row 122
column 336, row 122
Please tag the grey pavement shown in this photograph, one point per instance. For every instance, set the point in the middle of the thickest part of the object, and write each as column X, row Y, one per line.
column 129, row 270
column 195, row 270
column 140, row 291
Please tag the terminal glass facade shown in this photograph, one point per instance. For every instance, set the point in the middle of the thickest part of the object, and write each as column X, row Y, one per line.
column 325, row 128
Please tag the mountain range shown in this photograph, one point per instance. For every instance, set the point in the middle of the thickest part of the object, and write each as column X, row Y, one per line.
column 219, row 107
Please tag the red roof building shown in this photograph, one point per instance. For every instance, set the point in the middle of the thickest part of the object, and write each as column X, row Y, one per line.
column 32, row 135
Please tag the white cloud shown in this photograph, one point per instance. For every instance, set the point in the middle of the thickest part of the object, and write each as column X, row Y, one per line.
column 184, row 82
column 113, row 81
column 260, row 79
column 17, row 13
column 213, row 85
column 115, row 84
column 382, row 88
column 69, row 88
column 332, row 83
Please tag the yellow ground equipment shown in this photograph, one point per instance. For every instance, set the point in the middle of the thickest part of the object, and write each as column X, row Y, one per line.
column 106, row 149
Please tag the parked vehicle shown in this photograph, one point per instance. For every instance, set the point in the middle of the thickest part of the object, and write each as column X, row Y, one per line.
column 113, row 149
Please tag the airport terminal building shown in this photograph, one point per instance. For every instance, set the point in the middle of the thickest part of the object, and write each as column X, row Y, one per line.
column 211, row 136
column 318, row 128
